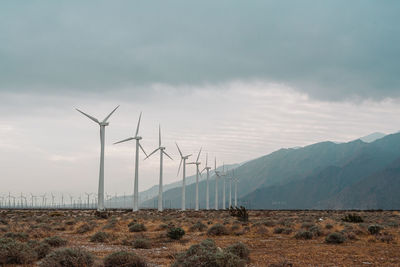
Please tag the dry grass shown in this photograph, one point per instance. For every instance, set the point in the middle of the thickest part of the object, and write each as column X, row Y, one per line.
column 267, row 246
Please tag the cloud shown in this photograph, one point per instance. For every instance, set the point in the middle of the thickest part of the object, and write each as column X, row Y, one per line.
column 331, row 50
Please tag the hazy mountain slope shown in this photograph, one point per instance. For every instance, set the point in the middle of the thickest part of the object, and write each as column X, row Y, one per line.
column 320, row 190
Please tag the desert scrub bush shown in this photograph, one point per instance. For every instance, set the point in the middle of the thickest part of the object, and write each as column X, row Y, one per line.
column 198, row 226
column 239, row 249
column 137, row 227
column 315, row 230
column 55, row 241
column 100, row 237
column 41, row 248
column 328, row 226
column 374, row 229
column 124, row 259
column 207, row 254
column 281, row 230
column 70, row 222
column 68, row 257
column 335, row 238
column 218, row 229
column 240, row 213
column 385, row 237
column 111, row 223
column 303, row 235
column 352, row 218
column 175, row 233
column 307, row 225
column 23, row 237
column 84, row 228
column 15, row 252
column 141, row 243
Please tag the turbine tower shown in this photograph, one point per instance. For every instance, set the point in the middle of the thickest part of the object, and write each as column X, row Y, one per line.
column 160, row 186
column 216, row 184
column 102, row 124
column 207, row 168
column 183, row 159
column 236, row 180
column 197, row 179
column 223, row 174
column 136, row 183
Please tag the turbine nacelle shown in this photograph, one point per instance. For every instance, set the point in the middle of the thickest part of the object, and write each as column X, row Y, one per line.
column 104, row 123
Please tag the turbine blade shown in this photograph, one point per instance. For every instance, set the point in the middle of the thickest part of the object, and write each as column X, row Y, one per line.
column 180, row 152
column 142, row 149
column 189, row 155
column 198, row 156
column 167, row 155
column 109, row 115
column 159, row 135
column 87, row 115
column 180, row 164
column 191, row 163
column 151, row 153
column 127, row 139
column 138, row 124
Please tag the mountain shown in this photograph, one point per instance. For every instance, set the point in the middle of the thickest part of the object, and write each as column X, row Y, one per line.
column 372, row 137
column 322, row 175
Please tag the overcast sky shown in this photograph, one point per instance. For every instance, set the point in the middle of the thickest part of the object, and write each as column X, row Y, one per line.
column 239, row 78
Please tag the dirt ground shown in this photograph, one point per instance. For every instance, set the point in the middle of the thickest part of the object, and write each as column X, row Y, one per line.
column 270, row 235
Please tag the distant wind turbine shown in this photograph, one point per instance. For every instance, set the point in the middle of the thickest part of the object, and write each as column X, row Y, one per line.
column 160, row 186
column 230, row 191
column 183, row 160
column 236, row 180
column 197, row 163
column 216, row 184
column 102, row 124
column 136, row 183
column 223, row 174
column 207, row 168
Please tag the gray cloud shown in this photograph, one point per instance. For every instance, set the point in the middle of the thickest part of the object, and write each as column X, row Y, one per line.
column 328, row 49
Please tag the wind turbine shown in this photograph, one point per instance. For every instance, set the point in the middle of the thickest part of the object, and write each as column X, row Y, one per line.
column 160, row 186
column 136, row 189
column 236, row 180
column 223, row 174
column 88, row 199
column 230, row 191
column 43, row 200
column 102, row 124
column 216, row 184
column 52, row 200
column 183, row 159
column 207, row 168
column 197, row 179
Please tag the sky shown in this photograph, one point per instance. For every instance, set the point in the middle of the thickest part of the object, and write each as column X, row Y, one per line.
column 240, row 79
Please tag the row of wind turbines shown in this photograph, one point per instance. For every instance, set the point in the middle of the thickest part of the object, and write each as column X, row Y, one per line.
column 183, row 162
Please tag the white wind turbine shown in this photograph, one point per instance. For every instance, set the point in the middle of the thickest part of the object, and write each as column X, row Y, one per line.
column 183, row 159
column 223, row 174
column 197, row 163
column 236, row 180
column 216, row 184
column 230, row 190
column 207, row 168
column 102, row 124
column 136, row 183
column 160, row 186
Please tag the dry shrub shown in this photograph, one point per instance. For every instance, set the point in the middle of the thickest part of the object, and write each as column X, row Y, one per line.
column 137, row 227
column 84, row 228
column 217, row 230
column 15, row 252
column 55, row 241
column 303, row 235
column 21, row 236
column 335, row 238
column 41, row 248
column 68, row 257
column 239, row 249
column 198, row 226
column 141, row 243
column 124, row 259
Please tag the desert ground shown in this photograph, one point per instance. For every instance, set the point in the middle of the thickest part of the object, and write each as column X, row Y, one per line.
column 273, row 238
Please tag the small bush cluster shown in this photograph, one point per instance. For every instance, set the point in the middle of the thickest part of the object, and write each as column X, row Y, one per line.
column 23, row 237
column 100, row 237
column 208, row 254
column 374, row 229
column 241, row 213
column 218, row 229
column 137, row 227
column 175, row 233
column 68, row 257
column 335, row 238
column 280, row 230
column 303, row 235
column 141, row 243
column 55, row 241
column 84, row 228
column 199, row 226
column 15, row 252
column 352, row 218
column 124, row 259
